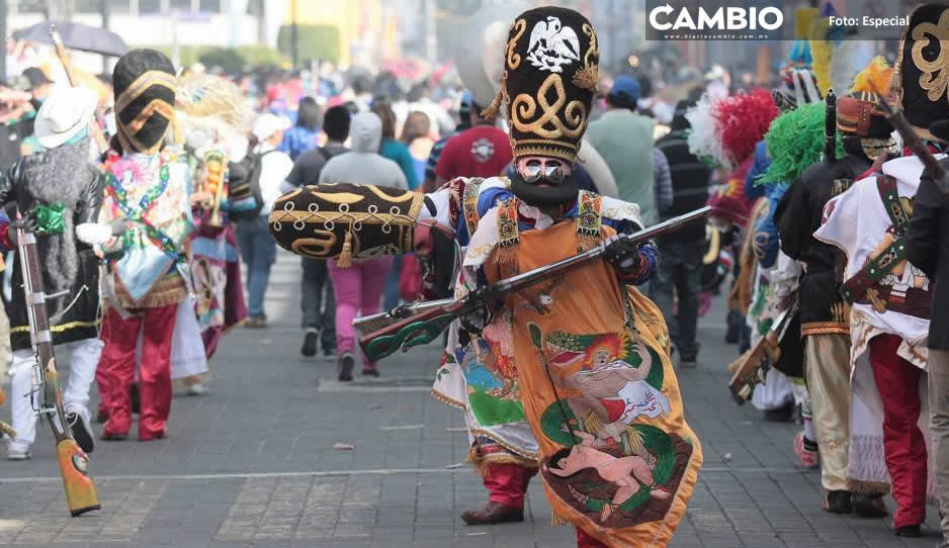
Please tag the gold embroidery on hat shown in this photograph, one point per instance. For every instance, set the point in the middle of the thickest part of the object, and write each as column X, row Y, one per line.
column 524, row 108
column 935, row 75
column 588, row 76
column 514, row 59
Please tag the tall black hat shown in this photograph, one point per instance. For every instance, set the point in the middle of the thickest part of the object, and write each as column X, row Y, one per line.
column 549, row 81
column 145, row 85
column 921, row 75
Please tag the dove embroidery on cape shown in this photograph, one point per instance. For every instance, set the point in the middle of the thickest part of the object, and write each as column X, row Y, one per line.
column 552, row 46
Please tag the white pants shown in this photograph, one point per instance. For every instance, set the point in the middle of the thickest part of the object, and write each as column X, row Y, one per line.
column 82, row 371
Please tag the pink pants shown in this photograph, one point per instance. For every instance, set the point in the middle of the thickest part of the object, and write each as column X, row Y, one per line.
column 358, row 291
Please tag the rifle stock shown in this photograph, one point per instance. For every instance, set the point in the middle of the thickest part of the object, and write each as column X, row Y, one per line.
column 81, row 493
column 754, row 364
column 426, row 326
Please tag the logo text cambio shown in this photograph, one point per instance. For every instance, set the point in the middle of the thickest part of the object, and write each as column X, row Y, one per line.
column 666, row 18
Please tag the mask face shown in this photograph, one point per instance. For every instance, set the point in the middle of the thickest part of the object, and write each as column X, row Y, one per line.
column 544, row 183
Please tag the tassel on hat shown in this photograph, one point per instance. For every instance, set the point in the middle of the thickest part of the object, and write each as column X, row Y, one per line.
column 345, row 259
column 491, row 111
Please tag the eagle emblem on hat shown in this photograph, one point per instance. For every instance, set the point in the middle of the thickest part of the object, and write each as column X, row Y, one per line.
column 552, row 45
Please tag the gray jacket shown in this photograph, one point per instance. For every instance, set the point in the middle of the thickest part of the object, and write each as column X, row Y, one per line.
column 363, row 164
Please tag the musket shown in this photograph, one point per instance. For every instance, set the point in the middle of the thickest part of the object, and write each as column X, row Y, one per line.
column 94, row 130
column 754, row 364
column 830, row 127
column 912, row 140
column 81, row 493
column 424, row 327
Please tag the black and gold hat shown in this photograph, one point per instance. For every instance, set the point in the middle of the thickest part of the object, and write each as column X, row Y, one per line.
column 920, row 78
column 345, row 220
column 145, row 85
column 550, row 79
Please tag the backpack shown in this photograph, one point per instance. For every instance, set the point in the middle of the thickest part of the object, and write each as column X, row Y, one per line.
column 244, row 197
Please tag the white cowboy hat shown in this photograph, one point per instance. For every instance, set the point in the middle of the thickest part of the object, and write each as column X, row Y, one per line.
column 65, row 113
column 268, row 124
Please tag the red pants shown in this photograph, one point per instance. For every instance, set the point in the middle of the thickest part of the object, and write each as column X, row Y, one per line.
column 903, row 444
column 586, row 541
column 117, row 369
column 507, row 483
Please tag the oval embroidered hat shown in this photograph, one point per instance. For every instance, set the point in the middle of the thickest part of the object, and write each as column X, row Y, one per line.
column 550, row 79
column 919, row 78
column 64, row 114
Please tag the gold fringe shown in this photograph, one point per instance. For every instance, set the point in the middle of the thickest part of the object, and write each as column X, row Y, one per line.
column 557, row 521
column 476, row 462
column 586, row 78
column 345, row 259
column 491, row 111
column 868, row 487
column 505, row 255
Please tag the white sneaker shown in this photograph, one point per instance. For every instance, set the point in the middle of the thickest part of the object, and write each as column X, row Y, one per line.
column 197, row 389
column 19, row 450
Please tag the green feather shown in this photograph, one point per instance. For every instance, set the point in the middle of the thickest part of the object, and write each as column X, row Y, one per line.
column 795, row 143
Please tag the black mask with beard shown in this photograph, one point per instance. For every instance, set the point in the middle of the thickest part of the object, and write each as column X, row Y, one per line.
column 555, row 195
column 438, row 266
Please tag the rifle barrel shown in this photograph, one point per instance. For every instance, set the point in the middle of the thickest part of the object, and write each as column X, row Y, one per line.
column 830, row 127
column 520, row 281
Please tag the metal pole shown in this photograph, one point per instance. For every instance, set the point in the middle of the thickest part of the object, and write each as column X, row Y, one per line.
column 294, row 35
column 104, row 8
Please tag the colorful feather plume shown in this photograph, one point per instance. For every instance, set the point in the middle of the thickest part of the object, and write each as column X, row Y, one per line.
column 875, row 78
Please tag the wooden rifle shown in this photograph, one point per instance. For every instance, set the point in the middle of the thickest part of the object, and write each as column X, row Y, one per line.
column 214, row 176
column 754, row 364
column 912, row 140
column 81, row 493
column 427, row 324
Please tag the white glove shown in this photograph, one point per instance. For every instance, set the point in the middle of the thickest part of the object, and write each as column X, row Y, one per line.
column 93, row 233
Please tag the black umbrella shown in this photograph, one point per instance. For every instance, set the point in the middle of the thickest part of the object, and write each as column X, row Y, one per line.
column 76, row 36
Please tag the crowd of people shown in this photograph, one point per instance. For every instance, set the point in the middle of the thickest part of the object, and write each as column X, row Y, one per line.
column 175, row 179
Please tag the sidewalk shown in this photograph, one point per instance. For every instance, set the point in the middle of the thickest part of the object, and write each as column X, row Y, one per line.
column 252, row 463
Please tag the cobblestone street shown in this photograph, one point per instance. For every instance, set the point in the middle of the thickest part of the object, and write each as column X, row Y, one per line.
column 252, row 463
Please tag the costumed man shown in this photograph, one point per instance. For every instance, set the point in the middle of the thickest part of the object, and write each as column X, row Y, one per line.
column 889, row 296
column 617, row 458
column 55, row 192
column 825, row 316
column 147, row 206
column 598, row 389
column 214, row 122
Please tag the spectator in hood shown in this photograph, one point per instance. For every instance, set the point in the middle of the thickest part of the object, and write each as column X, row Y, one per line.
column 358, row 288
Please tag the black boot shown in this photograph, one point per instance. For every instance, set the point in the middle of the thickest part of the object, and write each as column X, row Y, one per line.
column 838, row 502
column 869, row 506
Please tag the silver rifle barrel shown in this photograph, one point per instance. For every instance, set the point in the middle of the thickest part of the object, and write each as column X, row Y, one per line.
column 400, row 312
column 520, row 281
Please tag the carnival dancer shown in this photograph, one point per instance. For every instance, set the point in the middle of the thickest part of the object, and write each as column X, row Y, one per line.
column 890, row 297
column 147, row 200
column 825, row 317
column 214, row 122
column 56, row 191
column 591, row 320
